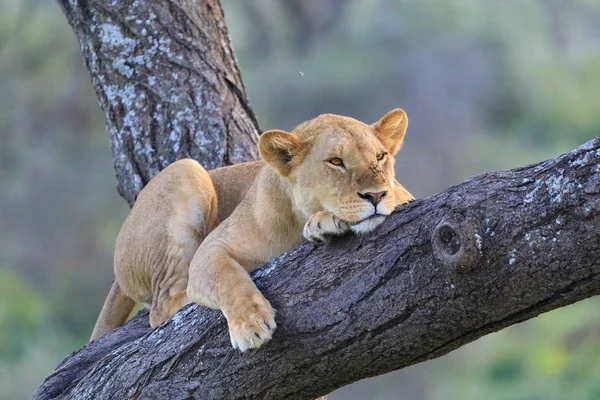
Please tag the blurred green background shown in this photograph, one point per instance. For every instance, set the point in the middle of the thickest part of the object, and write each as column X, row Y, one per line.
column 486, row 84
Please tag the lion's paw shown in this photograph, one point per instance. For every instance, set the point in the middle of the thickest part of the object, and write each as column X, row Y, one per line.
column 321, row 226
column 251, row 324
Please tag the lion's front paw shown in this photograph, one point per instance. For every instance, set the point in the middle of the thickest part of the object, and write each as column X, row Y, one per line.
column 321, row 226
column 251, row 323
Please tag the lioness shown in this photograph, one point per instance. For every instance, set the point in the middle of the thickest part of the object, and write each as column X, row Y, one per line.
column 330, row 176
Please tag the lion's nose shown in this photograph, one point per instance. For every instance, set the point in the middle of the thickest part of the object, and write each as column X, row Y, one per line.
column 373, row 197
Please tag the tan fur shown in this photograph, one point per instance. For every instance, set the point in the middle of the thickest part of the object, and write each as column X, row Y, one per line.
column 266, row 209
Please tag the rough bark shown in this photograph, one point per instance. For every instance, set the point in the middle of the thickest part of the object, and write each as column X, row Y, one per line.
column 168, row 83
column 495, row 250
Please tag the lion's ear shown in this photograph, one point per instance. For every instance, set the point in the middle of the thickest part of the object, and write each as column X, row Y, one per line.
column 281, row 150
column 390, row 129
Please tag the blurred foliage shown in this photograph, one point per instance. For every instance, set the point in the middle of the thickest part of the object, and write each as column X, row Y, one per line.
column 486, row 84
column 22, row 313
column 529, row 68
column 555, row 357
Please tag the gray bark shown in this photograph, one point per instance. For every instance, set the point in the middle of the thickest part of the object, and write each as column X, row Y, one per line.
column 168, row 83
column 441, row 272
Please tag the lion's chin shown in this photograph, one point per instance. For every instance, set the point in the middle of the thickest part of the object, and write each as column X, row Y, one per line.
column 367, row 225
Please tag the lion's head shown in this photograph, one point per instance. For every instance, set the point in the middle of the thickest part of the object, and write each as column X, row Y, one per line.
column 340, row 165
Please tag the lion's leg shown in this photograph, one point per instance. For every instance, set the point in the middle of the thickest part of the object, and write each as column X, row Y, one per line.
column 170, row 284
column 195, row 216
column 218, row 281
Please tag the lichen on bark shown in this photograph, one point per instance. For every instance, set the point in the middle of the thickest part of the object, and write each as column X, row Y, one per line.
column 168, row 83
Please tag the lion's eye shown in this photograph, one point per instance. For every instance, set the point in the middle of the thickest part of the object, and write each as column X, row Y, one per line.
column 380, row 156
column 337, row 162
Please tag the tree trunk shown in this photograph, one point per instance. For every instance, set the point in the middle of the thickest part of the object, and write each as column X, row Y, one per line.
column 168, row 83
column 495, row 250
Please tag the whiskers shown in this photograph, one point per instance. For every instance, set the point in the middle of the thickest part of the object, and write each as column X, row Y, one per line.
column 355, row 211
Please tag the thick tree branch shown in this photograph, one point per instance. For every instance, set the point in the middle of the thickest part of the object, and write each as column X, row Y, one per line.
column 168, row 84
column 495, row 250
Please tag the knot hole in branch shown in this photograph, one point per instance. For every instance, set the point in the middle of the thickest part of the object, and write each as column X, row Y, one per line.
column 455, row 245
